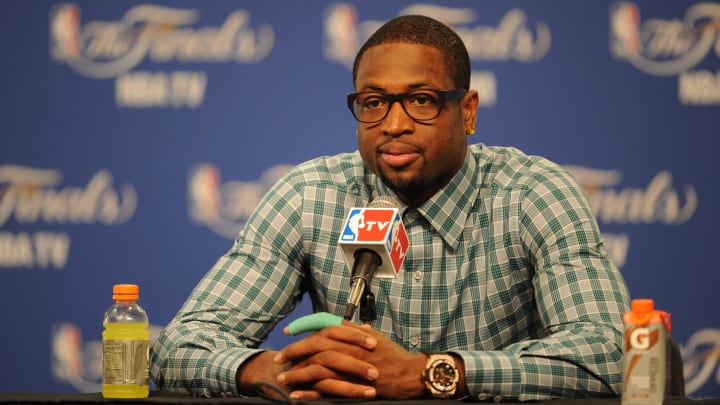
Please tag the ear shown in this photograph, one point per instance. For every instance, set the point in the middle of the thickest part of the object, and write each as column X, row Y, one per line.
column 469, row 106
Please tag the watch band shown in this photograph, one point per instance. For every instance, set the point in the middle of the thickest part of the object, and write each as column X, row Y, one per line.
column 441, row 376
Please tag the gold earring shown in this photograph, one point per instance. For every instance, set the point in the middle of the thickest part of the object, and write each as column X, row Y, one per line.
column 471, row 130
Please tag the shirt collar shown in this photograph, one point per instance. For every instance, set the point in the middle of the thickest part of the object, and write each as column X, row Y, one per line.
column 447, row 211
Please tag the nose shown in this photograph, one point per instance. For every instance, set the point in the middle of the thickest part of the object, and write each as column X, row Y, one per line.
column 397, row 122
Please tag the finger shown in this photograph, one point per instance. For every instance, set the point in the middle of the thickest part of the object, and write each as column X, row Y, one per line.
column 306, row 376
column 305, row 347
column 345, row 389
column 337, row 388
column 336, row 338
column 328, row 365
column 305, row 394
column 351, row 333
column 312, row 322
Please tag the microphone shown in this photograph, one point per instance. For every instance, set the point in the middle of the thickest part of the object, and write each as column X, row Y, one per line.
column 374, row 243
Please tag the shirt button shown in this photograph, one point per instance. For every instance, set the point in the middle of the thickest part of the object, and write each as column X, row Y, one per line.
column 412, row 215
column 498, row 398
column 418, row 275
column 482, row 396
column 414, row 340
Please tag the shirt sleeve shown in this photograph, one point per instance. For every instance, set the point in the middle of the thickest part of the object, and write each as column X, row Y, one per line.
column 580, row 297
column 236, row 304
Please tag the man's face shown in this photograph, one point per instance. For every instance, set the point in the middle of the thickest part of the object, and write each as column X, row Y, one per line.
column 415, row 159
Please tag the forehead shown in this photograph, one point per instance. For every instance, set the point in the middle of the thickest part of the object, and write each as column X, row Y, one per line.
column 402, row 66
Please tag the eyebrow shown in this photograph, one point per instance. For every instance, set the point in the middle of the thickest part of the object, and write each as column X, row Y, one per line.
column 415, row 86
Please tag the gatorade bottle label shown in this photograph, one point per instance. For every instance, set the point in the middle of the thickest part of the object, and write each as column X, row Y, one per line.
column 644, row 364
column 126, row 361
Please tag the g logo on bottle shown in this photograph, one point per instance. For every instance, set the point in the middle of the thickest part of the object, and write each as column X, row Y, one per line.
column 640, row 339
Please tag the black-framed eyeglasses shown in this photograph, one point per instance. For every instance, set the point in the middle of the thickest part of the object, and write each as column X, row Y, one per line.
column 421, row 105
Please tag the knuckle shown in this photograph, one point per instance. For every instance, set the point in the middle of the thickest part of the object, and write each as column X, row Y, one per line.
column 317, row 372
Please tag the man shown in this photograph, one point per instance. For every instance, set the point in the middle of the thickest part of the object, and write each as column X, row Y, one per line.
column 506, row 285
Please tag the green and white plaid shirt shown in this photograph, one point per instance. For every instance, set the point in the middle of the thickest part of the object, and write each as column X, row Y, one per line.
column 506, row 268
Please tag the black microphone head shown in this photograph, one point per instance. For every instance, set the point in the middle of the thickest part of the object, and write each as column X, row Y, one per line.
column 385, row 201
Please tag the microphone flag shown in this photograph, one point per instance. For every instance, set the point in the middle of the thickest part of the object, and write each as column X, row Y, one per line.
column 380, row 230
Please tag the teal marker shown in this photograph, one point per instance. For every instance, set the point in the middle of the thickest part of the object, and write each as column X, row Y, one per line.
column 313, row 322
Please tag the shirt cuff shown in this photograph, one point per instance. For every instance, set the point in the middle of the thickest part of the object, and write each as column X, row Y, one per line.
column 491, row 375
column 221, row 370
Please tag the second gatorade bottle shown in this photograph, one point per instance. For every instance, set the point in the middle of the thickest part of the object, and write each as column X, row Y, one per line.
column 645, row 358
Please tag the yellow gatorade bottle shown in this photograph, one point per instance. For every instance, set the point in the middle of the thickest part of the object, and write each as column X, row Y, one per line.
column 126, row 346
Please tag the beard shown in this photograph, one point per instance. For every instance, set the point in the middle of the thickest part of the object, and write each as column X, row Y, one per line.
column 403, row 185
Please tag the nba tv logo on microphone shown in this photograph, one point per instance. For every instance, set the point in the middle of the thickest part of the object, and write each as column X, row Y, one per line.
column 377, row 229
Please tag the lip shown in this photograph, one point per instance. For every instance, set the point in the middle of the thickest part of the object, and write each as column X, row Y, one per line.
column 398, row 155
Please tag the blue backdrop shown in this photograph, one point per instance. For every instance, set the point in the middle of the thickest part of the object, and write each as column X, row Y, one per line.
column 136, row 138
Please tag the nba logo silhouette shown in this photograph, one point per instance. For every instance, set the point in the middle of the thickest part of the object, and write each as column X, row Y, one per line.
column 351, row 225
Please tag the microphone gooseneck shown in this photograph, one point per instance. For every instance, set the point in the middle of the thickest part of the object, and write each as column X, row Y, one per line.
column 366, row 262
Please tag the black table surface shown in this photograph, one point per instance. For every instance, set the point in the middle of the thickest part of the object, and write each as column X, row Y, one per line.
column 165, row 398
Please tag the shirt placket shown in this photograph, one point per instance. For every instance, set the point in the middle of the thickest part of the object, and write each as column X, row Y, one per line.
column 411, row 308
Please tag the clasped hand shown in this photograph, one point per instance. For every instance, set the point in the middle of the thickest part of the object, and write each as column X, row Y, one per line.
column 349, row 361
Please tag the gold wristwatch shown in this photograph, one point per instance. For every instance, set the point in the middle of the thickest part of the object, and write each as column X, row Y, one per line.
column 441, row 376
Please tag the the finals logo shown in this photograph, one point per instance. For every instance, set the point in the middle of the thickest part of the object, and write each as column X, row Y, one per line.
column 154, row 36
column 672, row 47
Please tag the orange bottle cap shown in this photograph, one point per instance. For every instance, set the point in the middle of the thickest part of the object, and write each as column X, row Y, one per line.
column 126, row 292
column 643, row 306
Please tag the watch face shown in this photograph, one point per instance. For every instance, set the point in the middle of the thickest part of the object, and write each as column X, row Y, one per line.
column 443, row 376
